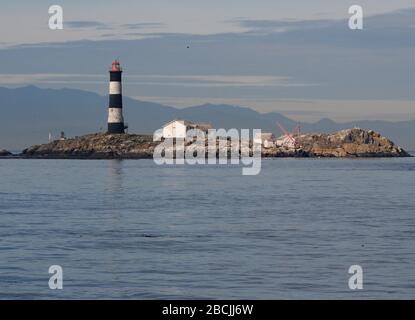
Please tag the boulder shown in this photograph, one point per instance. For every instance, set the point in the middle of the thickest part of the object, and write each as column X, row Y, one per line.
column 5, row 153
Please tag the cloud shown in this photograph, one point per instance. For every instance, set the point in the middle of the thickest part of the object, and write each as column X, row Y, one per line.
column 219, row 81
column 108, row 35
column 50, row 78
column 118, row 31
column 142, row 25
column 207, row 81
column 400, row 19
column 280, row 25
column 84, row 24
column 403, row 19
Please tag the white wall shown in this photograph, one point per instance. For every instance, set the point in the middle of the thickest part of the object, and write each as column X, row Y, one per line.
column 175, row 129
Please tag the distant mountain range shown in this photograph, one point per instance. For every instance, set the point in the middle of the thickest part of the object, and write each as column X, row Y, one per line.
column 29, row 113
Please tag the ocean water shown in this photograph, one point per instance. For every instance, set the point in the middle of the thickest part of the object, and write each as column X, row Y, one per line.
column 134, row 230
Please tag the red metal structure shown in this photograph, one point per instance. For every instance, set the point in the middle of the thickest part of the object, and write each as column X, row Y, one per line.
column 287, row 134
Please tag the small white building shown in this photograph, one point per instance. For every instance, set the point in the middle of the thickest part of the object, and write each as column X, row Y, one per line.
column 178, row 128
column 265, row 138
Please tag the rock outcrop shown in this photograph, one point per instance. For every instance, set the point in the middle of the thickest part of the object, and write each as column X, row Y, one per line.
column 96, row 146
column 351, row 143
column 346, row 143
column 5, row 153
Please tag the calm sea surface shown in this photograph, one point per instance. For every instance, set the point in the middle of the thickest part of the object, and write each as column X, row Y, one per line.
column 131, row 229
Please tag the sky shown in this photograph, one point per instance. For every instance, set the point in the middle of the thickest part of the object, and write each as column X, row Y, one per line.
column 24, row 21
column 296, row 57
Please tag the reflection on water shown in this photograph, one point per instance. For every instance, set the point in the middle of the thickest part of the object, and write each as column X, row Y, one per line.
column 114, row 176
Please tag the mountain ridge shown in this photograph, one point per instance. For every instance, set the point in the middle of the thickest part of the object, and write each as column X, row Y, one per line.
column 29, row 113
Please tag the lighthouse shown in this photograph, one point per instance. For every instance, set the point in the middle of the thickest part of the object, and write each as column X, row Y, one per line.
column 115, row 117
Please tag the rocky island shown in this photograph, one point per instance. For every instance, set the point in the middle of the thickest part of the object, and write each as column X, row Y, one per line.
column 346, row 143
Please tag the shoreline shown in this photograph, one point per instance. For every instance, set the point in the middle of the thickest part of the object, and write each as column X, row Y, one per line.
column 263, row 158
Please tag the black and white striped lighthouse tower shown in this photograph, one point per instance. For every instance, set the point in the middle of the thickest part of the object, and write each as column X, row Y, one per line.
column 115, row 117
